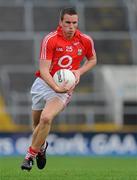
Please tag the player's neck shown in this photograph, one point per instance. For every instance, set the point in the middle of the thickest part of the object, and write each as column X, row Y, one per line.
column 68, row 37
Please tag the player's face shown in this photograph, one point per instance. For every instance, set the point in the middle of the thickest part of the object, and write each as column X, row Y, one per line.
column 69, row 25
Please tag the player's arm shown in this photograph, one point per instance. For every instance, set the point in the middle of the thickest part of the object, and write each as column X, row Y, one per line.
column 91, row 59
column 88, row 65
column 45, row 63
column 44, row 66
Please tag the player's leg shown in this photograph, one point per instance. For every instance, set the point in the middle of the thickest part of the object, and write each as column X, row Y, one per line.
column 41, row 94
column 35, row 117
column 35, row 120
column 28, row 161
column 52, row 108
column 41, row 156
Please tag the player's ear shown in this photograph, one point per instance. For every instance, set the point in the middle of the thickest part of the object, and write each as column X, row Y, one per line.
column 60, row 23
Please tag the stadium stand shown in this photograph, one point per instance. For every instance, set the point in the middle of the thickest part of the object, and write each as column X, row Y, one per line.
column 116, row 51
column 42, row 22
column 16, row 20
column 16, row 52
column 23, row 23
column 106, row 19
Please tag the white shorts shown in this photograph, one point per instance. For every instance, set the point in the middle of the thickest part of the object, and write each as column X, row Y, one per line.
column 41, row 92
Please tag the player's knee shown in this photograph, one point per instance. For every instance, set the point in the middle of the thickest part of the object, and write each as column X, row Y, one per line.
column 46, row 120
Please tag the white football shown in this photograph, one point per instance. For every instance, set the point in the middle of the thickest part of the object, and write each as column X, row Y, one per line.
column 64, row 75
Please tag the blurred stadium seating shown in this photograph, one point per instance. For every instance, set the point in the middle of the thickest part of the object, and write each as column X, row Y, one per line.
column 23, row 23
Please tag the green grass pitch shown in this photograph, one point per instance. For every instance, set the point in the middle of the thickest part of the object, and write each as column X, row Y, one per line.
column 72, row 168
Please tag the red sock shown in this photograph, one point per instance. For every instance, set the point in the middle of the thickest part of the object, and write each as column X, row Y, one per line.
column 31, row 153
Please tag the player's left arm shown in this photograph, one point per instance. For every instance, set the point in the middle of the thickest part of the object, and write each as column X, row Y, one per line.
column 90, row 62
column 88, row 65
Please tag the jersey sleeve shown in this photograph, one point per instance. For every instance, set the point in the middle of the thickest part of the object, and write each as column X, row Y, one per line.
column 46, row 50
column 90, row 48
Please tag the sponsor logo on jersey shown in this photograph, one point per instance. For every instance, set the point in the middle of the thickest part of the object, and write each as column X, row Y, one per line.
column 59, row 49
column 65, row 61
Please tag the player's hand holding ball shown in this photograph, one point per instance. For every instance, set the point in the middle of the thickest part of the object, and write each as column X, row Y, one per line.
column 65, row 79
column 77, row 76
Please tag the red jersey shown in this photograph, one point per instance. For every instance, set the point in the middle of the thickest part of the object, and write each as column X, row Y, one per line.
column 65, row 54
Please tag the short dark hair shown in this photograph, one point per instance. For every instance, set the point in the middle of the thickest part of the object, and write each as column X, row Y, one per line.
column 67, row 10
